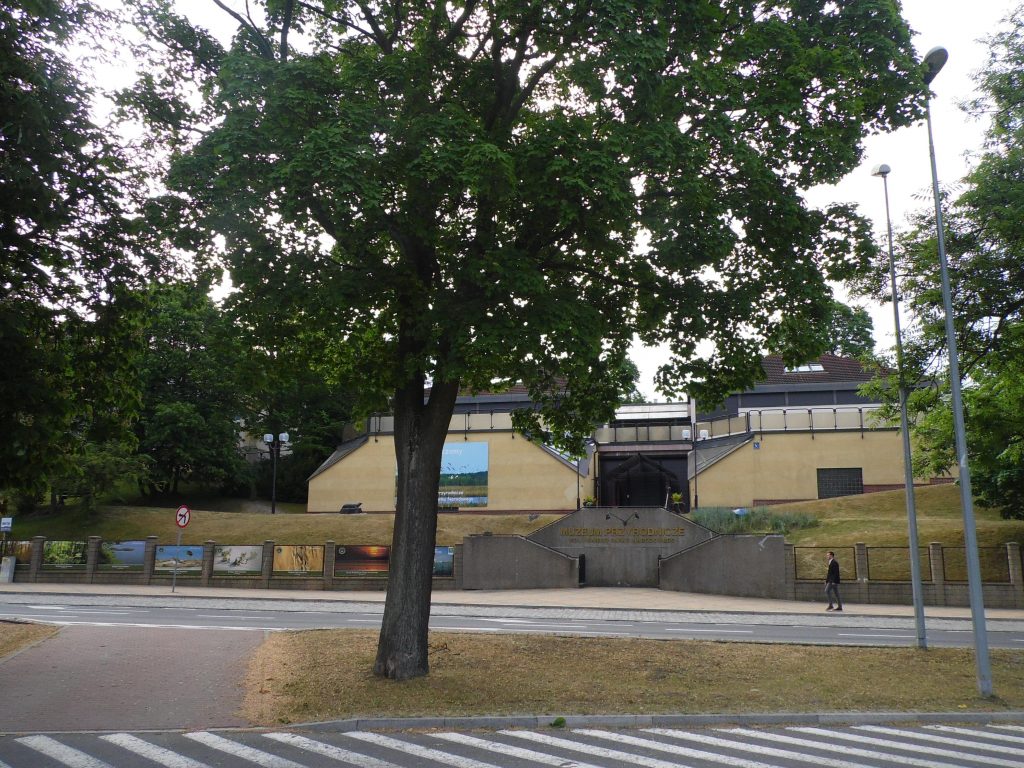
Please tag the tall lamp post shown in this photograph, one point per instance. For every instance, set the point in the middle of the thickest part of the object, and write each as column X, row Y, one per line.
column 693, row 451
column 934, row 61
column 908, row 470
column 274, row 443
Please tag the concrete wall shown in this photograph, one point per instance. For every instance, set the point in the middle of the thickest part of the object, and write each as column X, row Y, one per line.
column 521, row 476
column 743, row 566
column 784, row 467
column 621, row 546
column 514, row 562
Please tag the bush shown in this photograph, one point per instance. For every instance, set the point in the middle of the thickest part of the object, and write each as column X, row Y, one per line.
column 757, row 520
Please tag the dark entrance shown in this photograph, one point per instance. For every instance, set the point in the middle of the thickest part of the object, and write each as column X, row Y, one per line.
column 639, row 480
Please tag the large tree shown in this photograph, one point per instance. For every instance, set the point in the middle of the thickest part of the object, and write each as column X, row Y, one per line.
column 460, row 195
column 195, row 391
column 68, row 262
column 985, row 246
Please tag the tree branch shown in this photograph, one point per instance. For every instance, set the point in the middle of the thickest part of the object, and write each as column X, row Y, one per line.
column 378, row 34
column 266, row 49
column 330, row 17
column 286, row 23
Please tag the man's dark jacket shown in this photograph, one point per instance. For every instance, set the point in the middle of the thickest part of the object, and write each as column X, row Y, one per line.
column 833, row 572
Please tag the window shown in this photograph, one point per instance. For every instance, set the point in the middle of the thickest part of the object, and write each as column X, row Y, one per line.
column 845, row 481
column 806, row 368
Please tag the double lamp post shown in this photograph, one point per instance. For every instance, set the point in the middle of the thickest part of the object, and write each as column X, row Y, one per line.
column 934, row 60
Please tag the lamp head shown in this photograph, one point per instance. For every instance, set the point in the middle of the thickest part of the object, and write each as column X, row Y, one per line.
column 268, row 438
column 934, row 60
column 881, row 170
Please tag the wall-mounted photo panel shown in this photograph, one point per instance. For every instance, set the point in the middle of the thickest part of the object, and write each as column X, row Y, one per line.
column 360, row 560
column 239, row 560
column 298, row 560
column 122, row 555
column 463, row 475
column 463, row 480
column 64, row 554
column 189, row 557
column 444, row 561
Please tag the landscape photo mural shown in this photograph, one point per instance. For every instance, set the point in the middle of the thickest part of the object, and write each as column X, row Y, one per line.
column 463, row 475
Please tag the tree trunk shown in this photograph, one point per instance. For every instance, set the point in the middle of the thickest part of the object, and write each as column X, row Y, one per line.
column 420, row 431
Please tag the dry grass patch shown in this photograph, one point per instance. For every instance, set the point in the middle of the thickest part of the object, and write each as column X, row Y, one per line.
column 131, row 523
column 14, row 636
column 325, row 674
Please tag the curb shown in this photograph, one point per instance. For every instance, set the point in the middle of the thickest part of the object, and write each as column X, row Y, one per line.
column 654, row 721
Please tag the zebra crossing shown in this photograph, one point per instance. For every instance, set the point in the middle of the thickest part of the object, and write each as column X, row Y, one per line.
column 864, row 746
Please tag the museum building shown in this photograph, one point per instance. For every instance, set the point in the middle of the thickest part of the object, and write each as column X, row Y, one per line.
column 801, row 433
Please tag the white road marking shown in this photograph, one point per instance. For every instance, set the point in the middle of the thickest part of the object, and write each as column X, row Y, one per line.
column 757, row 749
column 978, row 733
column 152, row 752
column 590, row 749
column 830, row 747
column 163, row 626
column 1009, row 728
column 920, row 749
column 251, row 754
column 717, row 631
column 445, row 758
column 61, row 753
column 106, row 613
column 674, row 749
column 941, row 739
column 327, row 750
column 507, row 749
column 47, row 607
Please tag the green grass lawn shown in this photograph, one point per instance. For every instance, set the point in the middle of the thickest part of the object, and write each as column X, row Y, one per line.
column 877, row 519
column 880, row 520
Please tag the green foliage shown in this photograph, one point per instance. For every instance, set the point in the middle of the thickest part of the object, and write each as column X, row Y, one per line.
column 985, row 247
column 69, row 265
column 97, row 469
column 480, row 219
column 193, row 379
column 850, row 331
column 757, row 520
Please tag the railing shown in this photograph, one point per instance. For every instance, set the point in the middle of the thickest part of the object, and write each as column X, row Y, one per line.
column 811, row 563
column 995, row 566
column 893, row 563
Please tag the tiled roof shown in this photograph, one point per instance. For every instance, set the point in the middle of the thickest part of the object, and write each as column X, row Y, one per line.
column 835, row 369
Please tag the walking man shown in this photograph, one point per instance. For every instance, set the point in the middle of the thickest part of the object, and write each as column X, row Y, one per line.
column 832, row 583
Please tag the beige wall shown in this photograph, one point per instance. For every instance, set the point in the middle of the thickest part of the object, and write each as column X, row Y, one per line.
column 521, row 476
column 786, row 464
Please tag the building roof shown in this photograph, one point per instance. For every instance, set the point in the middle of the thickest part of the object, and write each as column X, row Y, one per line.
column 834, row 369
column 340, row 453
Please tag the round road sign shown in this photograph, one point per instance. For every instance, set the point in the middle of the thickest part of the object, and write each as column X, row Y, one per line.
column 182, row 516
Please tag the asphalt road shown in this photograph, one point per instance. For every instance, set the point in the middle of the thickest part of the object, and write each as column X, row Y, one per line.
column 827, row 629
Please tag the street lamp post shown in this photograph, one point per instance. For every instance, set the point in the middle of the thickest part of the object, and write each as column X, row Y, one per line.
column 934, row 61
column 274, row 443
column 908, row 470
